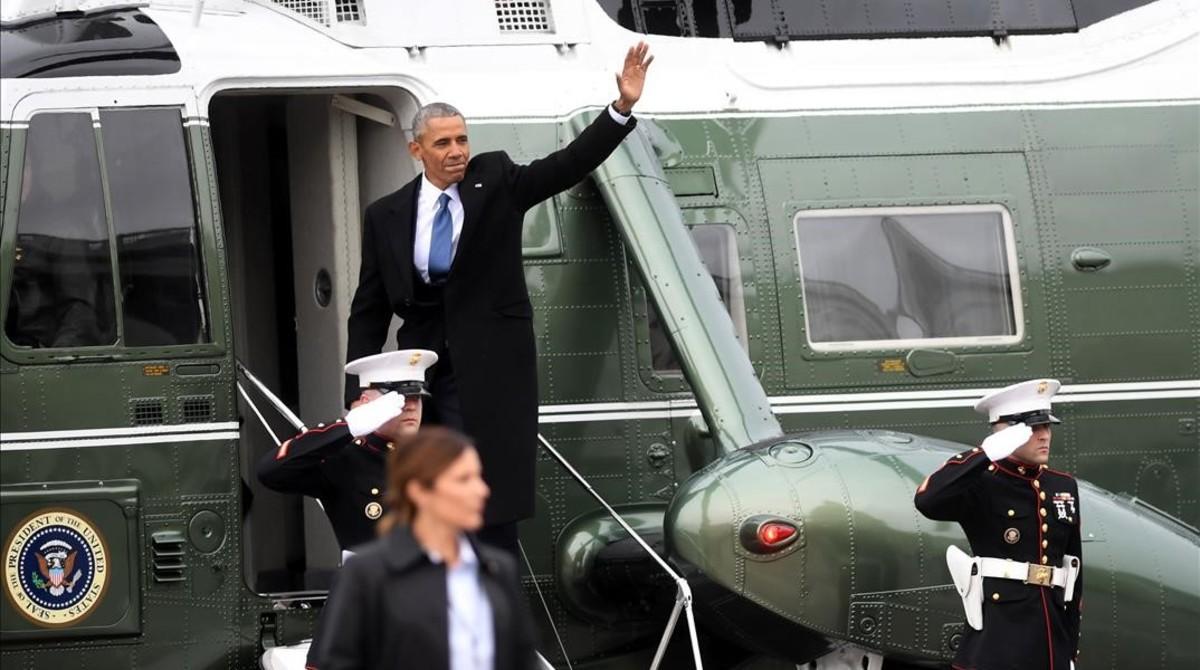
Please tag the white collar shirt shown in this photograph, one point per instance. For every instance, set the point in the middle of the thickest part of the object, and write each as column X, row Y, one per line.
column 469, row 612
column 427, row 206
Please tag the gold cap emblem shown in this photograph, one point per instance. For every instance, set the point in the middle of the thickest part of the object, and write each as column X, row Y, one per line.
column 1041, row 388
column 415, row 359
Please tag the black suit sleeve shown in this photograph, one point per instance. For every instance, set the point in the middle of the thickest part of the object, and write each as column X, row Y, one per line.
column 524, row 649
column 295, row 467
column 1075, row 607
column 541, row 179
column 515, row 645
column 949, row 494
column 370, row 311
column 345, row 619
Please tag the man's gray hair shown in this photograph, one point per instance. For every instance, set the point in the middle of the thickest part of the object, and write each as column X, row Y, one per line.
column 434, row 110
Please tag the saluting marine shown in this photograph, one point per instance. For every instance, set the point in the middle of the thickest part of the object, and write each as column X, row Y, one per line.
column 1023, row 587
column 342, row 464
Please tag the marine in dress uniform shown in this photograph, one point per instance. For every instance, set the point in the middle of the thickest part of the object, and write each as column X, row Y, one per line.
column 342, row 463
column 1022, row 521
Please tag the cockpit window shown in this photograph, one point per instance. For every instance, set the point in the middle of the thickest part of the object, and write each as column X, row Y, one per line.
column 899, row 277
column 154, row 217
column 717, row 244
column 62, row 290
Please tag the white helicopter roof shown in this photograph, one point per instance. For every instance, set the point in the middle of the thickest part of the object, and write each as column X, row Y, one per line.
column 552, row 63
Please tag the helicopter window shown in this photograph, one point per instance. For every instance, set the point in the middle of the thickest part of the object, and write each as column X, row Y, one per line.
column 154, row 217
column 905, row 276
column 62, row 291
column 717, row 245
column 776, row 22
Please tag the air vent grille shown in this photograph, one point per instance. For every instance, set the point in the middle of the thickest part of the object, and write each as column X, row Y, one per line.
column 324, row 12
column 347, row 10
column 197, row 408
column 167, row 559
column 524, row 16
column 315, row 10
column 148, row 411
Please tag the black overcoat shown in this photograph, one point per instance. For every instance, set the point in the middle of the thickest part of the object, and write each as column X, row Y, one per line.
column 389, row 609
column 1022, row 512
column 344, row 473
column 484, row 318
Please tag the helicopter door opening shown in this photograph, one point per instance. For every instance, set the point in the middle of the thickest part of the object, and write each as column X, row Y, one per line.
column 295, row 171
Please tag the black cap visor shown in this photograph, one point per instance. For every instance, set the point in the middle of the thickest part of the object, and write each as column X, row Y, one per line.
column 1038, row 417
column 406, row 388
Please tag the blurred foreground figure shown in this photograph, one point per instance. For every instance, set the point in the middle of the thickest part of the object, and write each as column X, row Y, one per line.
column 427, row 593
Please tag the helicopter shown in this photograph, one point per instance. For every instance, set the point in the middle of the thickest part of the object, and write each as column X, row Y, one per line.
column 773, row 307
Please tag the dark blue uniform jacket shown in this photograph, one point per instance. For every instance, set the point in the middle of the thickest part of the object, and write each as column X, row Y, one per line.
column 344, row 473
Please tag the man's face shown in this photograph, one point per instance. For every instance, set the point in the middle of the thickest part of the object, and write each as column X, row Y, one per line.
column 1037, row 450
column 443, row 149
column 407, row 423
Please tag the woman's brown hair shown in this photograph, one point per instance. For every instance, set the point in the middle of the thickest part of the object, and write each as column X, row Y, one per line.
column 421, row 458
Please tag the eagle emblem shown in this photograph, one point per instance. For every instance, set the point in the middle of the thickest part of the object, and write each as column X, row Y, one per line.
column 56, row 561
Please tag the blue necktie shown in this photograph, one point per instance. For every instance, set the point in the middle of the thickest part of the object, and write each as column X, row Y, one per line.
column 439, row 244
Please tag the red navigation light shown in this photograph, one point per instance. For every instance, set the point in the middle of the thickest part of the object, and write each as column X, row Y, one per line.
column 775, row 533
column 765, row 534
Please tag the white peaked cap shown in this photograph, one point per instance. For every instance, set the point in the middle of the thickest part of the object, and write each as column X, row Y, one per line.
column 1031, row 396
column 394, row 366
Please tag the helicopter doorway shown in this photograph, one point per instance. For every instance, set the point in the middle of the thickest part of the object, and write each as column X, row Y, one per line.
column 295, row 172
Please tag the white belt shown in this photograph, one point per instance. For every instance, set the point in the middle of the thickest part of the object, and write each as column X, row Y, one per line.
column 968, row 573
column 1030, row 573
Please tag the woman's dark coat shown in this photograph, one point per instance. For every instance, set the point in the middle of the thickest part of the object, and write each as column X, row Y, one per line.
column 388, row 609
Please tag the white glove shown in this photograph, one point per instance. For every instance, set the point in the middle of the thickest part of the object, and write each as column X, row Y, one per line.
column 367, row 418
column 999, row 446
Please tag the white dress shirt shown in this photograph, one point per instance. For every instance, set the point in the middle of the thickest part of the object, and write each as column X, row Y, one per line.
column 469, row 612
column 427, row 206
column 617, row 116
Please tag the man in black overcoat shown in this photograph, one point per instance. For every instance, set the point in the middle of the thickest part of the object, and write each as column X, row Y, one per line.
column 1023, row 588
column 444, row 254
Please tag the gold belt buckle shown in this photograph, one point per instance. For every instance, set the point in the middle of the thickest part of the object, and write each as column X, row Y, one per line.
column 1041, row 575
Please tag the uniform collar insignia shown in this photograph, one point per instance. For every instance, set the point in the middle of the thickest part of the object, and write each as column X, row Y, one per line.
column 1020, row 469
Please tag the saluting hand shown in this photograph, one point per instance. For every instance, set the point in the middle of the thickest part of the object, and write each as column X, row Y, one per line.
column 632, row 77
column 1001, row 445
column 368, row 417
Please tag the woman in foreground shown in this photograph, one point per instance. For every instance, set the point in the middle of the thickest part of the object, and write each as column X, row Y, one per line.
column 426, row 594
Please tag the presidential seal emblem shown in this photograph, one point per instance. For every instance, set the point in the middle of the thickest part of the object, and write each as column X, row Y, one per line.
column 373, row 510
column 1012, row 535
column 55, row 568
